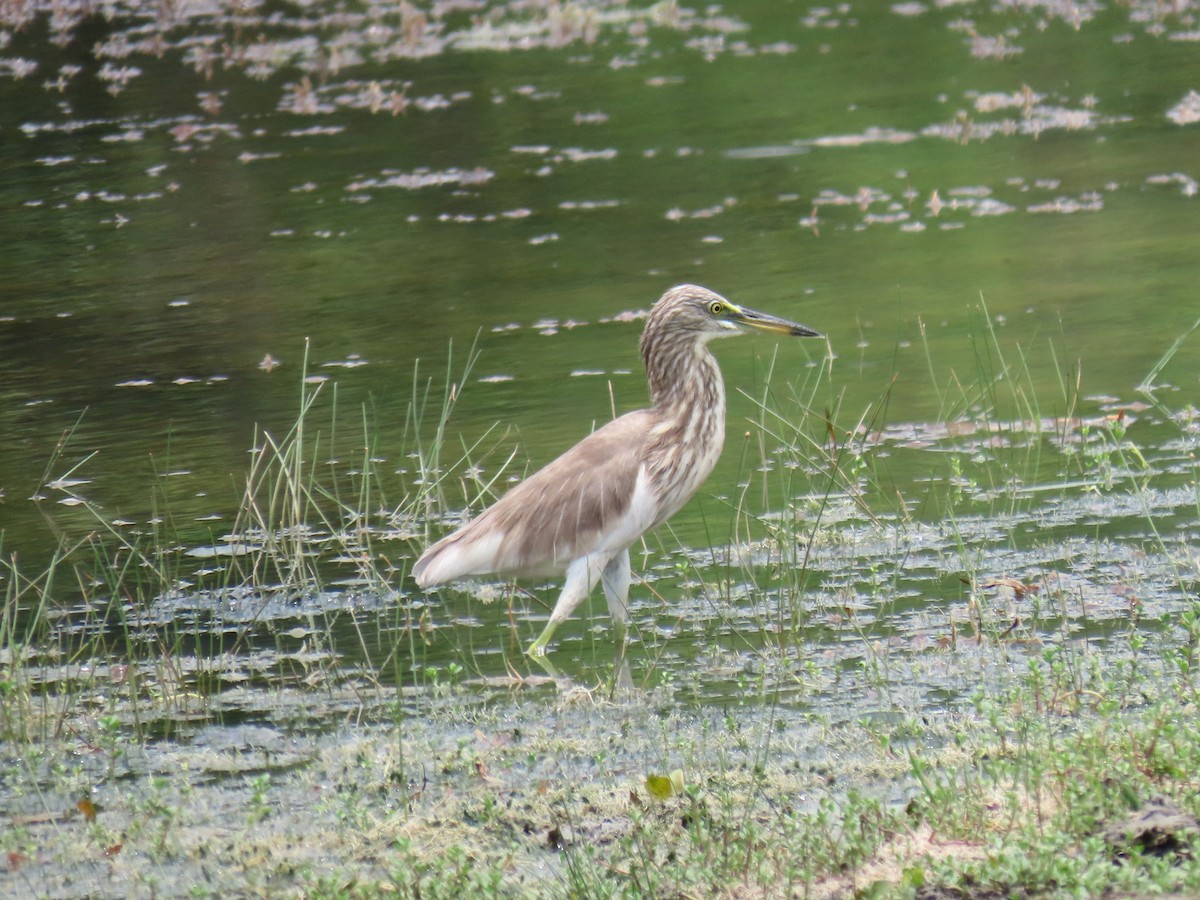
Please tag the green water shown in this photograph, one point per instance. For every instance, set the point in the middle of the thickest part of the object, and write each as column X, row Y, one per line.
column 162, row 239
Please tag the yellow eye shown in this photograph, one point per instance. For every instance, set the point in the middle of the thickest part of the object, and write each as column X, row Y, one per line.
column 716, row 307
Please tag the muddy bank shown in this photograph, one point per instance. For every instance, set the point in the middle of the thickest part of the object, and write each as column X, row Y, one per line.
column 512, row 783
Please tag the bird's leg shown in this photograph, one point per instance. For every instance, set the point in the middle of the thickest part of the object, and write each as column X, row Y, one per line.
column 538, row 648
column 582, row 576
column 615, row 581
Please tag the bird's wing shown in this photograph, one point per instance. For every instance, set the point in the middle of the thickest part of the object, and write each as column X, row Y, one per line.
column 593, row 498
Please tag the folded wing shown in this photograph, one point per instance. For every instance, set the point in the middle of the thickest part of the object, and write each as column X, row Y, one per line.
column 592, row 499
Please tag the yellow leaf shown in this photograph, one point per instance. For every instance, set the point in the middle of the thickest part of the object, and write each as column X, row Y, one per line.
column 664, row 787
column 660, row 787
column 677, row 781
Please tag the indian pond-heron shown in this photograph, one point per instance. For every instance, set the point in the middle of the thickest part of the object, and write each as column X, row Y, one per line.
column 582, row 512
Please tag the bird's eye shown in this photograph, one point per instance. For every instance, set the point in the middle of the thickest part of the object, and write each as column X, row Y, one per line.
column 716, row 307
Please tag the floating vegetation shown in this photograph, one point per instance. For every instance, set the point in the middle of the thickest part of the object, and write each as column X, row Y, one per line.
column 1175, row 21
column 1187, row 184
column 1187, row 110
column 423, row 178
column 324, row 41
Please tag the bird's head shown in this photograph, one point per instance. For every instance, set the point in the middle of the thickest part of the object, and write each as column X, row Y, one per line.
column 689, row 309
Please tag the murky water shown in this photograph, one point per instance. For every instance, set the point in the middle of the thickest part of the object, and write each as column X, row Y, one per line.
column 991, row 212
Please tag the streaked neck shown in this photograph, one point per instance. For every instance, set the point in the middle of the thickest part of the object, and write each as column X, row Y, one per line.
column 686, row 383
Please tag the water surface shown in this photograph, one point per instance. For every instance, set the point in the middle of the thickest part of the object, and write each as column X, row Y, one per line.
column 958, row 196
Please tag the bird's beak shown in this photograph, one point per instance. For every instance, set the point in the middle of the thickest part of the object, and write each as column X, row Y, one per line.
column 750, row 318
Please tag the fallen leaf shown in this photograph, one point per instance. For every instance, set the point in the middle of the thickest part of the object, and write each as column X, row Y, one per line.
column 663, row 787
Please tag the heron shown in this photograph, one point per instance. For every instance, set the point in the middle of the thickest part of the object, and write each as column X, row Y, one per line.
column 581, row 513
